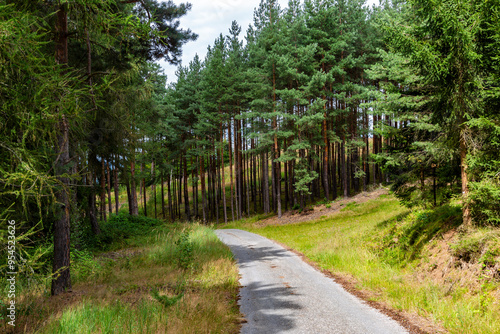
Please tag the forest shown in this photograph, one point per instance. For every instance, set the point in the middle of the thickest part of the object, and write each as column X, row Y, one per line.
column 317, row 101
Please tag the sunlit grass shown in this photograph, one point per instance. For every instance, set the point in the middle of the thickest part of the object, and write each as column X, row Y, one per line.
column 348, row 244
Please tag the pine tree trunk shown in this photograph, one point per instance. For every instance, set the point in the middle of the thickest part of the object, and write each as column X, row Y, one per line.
column 265, row 182
column 103, row 189
column 169, row 194
column 203, row 191
column 215, row 184
column 133, row 190
column 94, row 224
column 345, row 180
column 239, row 167
column 325, row 158
column 230, row 141
column 145, row 201
column 247, row 173
column 129, row 198
column 223, row 174
column 110, row 207
column 194, row 175
column 61, row 263
column 367, row 150
column 186, row 194
column 163, row 197
column 153, row 185
column 116, row 185
column 466, row 215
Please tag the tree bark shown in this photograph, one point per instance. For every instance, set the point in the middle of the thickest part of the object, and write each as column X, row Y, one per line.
column 145, row 201
column 133, row 189
column 163, row 197
column 265, row 182
column 230, row 141
column 61, row 265
column 94, row 224
column 108, row 174
column 116, row 186
column 223, row 174
column 103, row 190
column 203, row 192
column 466, row 215
column 186, row 194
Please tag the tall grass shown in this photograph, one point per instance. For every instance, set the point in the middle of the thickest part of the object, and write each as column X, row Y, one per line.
column 142, row 288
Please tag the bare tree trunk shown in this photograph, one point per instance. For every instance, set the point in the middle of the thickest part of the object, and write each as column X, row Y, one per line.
column 129, row 198
column 345, row 181
column 186, row 194
column 230, row 141
column 94, row 224
column 466, row 215
column 169, row 194
column 247, row 173
column 203, row 191
column 223, row 174
column 325, row 157
column 194, row 175
column 265, row 182
column 153, row 184
column 162, row 198
column 133, row 189
column 103, row 189
column 61, row 263
column 116, row 186
column 145, row 202
column 108, row 182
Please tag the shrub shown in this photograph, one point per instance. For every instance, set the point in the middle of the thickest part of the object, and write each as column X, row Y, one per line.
column 185, row 254
column 121, row 227
column 484, row 199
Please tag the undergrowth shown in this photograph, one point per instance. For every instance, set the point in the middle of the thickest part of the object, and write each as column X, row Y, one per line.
column 142, row 276
column 401, row 239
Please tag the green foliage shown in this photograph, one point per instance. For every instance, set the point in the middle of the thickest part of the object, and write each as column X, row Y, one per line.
column 119, row 228
column 165, row 300
column 484, row 198
column 84, row 266
column 481, row 245
column 446, row 52
column 350, row 206
column 184, row 251
column 401, row 239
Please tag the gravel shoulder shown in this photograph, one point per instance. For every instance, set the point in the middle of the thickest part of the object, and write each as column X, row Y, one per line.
column 283, row 294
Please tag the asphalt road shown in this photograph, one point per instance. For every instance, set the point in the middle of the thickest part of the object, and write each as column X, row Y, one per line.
column 283, row 294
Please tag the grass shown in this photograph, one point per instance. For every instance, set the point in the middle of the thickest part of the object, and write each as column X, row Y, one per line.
column 382, row 247
column 143, row 288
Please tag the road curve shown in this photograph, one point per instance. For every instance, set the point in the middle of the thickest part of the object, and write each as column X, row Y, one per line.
column 282, row 294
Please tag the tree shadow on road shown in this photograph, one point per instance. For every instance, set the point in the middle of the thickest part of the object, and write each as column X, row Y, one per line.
column 268, row 308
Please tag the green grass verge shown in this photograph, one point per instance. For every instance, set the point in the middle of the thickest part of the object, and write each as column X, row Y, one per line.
column 379, row 245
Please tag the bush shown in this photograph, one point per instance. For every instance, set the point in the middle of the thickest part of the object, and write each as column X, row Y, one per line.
column 185, row 255
column 121, row 227
column 484, row 200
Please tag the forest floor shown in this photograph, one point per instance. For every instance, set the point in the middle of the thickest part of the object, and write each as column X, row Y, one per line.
column 421, row 266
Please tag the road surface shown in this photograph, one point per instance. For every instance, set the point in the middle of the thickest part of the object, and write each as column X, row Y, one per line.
column 283, row 294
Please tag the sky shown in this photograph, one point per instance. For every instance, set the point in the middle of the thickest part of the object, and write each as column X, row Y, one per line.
column 210, row 18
